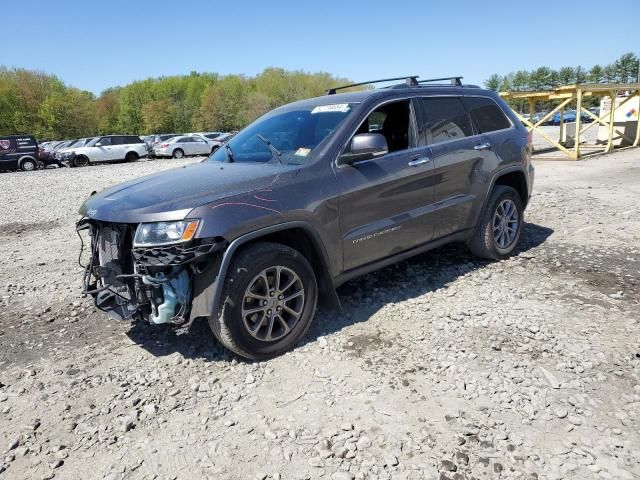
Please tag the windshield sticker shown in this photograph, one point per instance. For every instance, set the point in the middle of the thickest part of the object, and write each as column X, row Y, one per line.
column 336, row 107
column 302, row 152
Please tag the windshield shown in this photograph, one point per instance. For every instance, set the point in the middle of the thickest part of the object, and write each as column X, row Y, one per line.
column 294, row 134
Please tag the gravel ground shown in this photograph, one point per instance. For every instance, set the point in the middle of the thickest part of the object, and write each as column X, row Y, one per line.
column 441, row 367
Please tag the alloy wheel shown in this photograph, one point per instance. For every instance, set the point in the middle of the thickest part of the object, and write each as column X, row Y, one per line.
column 273, row 303
column 505, row 224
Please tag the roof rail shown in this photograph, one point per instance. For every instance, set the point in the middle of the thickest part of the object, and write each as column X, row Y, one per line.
column 457, row 81
column 410, row 79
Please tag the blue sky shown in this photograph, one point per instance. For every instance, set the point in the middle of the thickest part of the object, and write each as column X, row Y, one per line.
column 95, row 47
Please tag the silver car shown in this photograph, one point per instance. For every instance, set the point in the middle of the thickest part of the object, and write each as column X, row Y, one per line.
column 182, row 146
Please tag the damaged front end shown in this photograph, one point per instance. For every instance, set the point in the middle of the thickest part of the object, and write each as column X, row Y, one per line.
column 163, row 284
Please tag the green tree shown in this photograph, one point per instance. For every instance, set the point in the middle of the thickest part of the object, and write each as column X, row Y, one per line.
column 493, row 82
column 596, row 74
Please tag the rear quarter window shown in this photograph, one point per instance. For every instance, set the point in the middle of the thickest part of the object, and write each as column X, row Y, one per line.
column 486, row 114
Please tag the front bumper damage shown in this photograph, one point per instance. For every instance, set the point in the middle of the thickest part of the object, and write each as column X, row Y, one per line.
column 162, row 285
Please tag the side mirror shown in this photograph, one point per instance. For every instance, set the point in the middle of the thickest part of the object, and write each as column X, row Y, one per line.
column 98, row 144
column 365, row 146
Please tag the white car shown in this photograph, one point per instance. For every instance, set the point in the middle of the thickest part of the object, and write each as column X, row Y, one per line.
column 185, row 145
column 109, row 148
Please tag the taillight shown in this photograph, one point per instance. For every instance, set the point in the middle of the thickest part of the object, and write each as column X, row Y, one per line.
column 164, row 145
column 530, row 138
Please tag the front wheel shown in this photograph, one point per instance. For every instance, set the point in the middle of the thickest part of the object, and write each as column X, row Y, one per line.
column 177, row 153
column 268, row 301
column 80, row 161
column 500, row 226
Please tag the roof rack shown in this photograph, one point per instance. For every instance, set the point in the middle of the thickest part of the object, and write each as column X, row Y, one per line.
column 410, row 79
column 457, row 81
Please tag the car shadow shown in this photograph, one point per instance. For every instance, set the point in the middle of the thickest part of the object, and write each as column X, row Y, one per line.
column 361, row 298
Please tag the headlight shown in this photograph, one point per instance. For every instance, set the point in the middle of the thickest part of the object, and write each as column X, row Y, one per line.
column 165, row 233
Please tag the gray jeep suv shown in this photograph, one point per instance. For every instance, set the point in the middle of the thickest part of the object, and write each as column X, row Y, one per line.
column 305, row 198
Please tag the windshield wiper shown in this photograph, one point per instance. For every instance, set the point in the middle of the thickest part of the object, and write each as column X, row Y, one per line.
column 274, row 151
column 229, row 153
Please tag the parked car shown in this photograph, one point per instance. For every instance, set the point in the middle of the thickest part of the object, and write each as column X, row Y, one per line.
column 183, row 146
column 18, row 152
column 108, row 148
column 157, row 139
column 301, row 201
column 46, row 152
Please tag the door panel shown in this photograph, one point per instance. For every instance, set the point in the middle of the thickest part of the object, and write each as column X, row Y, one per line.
column 446, row 126
column 458, row 167
column 387, row 206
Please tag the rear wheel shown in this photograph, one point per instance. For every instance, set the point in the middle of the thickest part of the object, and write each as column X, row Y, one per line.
column 28, row 165
column 131, row 157
column 178, row 153
column 80, row 161
column 268, row 301
column 500, row 225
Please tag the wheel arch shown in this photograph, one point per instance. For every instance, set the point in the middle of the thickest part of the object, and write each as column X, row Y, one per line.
column 27, row 157
column 515, row 179
column 298, row 235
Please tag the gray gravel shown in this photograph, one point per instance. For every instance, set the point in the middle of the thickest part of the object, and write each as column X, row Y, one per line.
column 441, row 367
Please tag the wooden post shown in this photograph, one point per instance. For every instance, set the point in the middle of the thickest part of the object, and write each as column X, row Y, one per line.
column 637, row 141
column 576, row 139
column 614, row 94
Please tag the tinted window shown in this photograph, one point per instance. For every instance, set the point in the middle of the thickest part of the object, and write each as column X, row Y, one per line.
column 117, row 140
column 443, row 119
column 132, row 139
column 185, row 140
column 486, row 114
column 105, row 141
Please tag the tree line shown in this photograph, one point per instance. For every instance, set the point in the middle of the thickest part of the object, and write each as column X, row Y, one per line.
column 625, row 69
column 41, row 104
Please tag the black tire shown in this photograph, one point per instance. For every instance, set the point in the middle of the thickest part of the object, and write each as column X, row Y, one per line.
column 178, row 153
column 28, row 165
column 484, row 244
column 228, row 325
column 80, row 161
column 131, row 157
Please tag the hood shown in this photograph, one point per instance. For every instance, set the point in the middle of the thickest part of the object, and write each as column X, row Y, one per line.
column 172, row 194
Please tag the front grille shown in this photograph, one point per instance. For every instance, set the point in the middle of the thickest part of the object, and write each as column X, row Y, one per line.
column 114, row 257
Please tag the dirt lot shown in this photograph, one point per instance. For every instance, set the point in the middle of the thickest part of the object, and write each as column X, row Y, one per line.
column 442, row 367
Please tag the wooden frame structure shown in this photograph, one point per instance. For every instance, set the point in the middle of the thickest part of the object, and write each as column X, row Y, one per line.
column 575, row 93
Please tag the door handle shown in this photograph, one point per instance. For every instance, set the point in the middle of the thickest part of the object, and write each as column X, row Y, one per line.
column 483, row 146
column 419, row 161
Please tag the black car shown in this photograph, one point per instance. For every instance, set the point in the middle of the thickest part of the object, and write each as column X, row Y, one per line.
column 18, row 152
column 307, row 197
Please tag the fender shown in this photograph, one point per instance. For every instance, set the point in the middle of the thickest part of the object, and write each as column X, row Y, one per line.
column 217, row 285
column 496, row 175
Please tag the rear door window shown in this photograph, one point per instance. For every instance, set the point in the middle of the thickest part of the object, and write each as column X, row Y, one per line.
column 486, row 114
column 117, row 140
column 442, row 119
